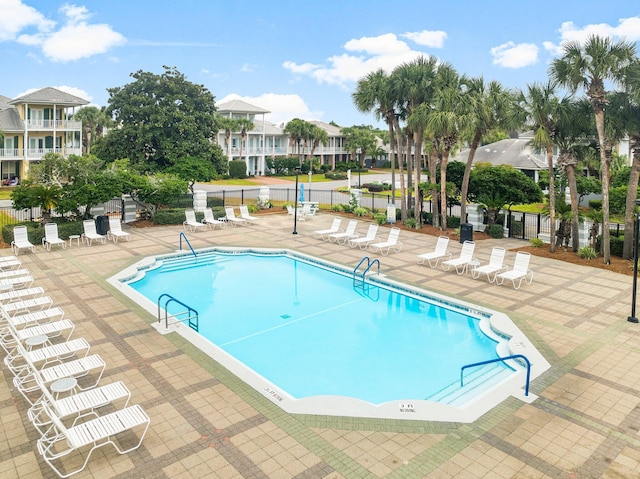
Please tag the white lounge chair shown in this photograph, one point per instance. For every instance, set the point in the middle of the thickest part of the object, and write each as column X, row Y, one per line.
column 115, row 230
column 9, row 264
column 438, row 254
column 50, row 330
column 461, row 262
column 13, row 273
column 51, row 237
column 335, row 228
column 36, row 318
column 308, row 210
column 91, row 234
column 210, row 220
column 392, row 243
column 21, row 240
column 520, row 271
column 495, row 265
column 26, row 305
column 59, row 441
column 364, row 241
column 16, row 282
column 344, row 236
column 244, row 213
column 191, row 223
column 231, row 217
column 8, row 297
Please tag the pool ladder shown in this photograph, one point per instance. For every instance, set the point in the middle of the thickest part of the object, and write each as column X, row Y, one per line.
column 359, row 279
column 190, row 315
column 182, row 235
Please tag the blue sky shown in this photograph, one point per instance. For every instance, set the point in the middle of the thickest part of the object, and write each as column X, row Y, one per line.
column 295, row 58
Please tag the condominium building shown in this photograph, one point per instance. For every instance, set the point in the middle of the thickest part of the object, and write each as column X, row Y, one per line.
column 266, row 140
column 35, row 124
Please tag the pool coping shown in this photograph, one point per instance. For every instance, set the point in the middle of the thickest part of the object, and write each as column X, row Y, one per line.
column 424, row 410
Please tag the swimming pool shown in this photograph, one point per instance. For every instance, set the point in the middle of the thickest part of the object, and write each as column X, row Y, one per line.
column 311, row 339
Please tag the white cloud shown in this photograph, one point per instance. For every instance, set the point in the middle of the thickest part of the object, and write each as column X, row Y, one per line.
column 428, row 38
column 76, row 39
column 16, row 17
column 248, row 68
column 510, row 55
column 384, row 51
column 627, row 29
column 283, row 108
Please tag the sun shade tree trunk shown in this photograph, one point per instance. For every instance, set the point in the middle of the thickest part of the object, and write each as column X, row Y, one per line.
column 589, row 66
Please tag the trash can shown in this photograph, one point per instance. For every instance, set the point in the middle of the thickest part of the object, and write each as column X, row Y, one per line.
column 102, row 224
column 466, row 232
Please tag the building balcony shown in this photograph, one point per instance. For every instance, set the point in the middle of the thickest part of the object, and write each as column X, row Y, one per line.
column 53, row 125
column 286, row 151
column 36, row 154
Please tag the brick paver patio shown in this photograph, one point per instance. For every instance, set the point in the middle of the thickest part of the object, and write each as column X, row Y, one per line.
column 207, row 423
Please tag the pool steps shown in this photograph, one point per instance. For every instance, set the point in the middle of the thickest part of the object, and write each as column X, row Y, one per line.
column 177, row 263
column 475, row 381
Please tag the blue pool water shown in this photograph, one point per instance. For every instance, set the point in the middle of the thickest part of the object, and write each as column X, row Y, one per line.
column 311, row 332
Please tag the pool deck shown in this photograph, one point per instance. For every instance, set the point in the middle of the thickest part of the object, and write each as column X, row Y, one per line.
column 205, row 422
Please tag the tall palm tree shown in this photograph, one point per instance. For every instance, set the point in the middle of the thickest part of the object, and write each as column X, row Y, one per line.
column 413, row 84
column 297, row 130
column 490, row 103
column 243, row 125
column 542, row 110
column 229, row 125
column 447, row 115
column 317, row 136
column 590, row 66
column 93, row 120
column 372, row 94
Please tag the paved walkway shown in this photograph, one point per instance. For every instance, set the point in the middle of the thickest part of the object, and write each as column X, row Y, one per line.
column 207, row 423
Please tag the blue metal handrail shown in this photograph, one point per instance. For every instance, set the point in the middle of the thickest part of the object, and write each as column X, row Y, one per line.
column 192, row 313
column 495, row 360
column 182, row 235
column 369, row 265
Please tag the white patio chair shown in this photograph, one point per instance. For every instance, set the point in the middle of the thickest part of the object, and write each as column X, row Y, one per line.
column 343, row 236
column 210, row 220
column 58, row 441
column 16, row 282
column 191, row 223
column 308, row 210
column 244, row 213
column 231, row 217
column 8, row 263
column 366, row 240
column 26, row 305
column 8, row 297
column 91, row 234
column 21, row 240
column 495, row 265
column 462, row 262
column 335, row 228
column 51, row 237
column 115, row 230
column 520, row 271
column 41, row 357
column 438, row 254
column 392, row 243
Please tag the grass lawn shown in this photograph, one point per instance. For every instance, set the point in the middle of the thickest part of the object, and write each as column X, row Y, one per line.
column 5, row 193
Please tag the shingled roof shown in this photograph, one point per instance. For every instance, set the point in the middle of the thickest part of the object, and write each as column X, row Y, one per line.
column 4, row 102
column 48, row 96
column 515, row 152
column 10, row 121
column 239, row 106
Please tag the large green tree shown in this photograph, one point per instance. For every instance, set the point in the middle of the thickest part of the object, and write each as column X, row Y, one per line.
column 160, row 119
column 93, row 121
column 589, row 66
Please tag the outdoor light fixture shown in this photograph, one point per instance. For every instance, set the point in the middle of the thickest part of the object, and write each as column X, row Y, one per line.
column 295, row 199
column 636, row 229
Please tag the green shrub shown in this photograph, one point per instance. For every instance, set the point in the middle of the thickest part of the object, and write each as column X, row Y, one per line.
column 595, row 204
column 335, row 176
column 427, row 218
column 214, row 201
column 253, row 208
column 616, row 243
column 495, row 230
column 337, row 207
column 587, row 252
column 171, row 216
column 373, row 187
column 411, row 223
column 381, row 219
column 237, row 169
column 517, row 228
column 536, row 242
column 360, row 211
column 453, row 221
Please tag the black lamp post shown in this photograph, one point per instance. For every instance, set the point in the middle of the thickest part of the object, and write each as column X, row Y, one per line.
column 636, row 229
column 295, row 199
column 358, row 151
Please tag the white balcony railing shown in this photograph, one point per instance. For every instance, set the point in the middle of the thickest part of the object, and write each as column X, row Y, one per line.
column 35, row 153
column 53, row 124
column 280, row 151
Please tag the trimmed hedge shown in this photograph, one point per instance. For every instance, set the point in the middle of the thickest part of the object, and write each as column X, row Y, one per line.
column 237, row 169
column 175, row 216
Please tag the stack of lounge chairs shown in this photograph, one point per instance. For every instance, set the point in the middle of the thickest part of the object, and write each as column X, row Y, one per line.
column 71, row 411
